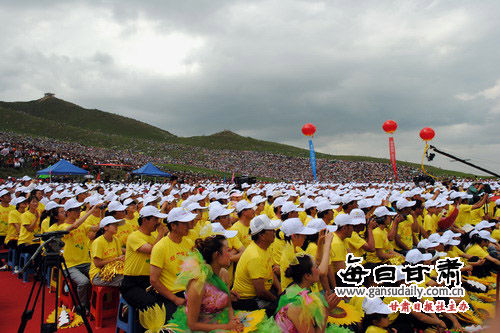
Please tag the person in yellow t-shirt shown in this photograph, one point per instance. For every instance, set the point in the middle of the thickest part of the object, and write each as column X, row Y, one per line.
column 376, row 319
column 5, row 209
column 166, row 258
column 383, row 247
column 338, row 249
column 30, row 225
column 106, row 249
column 137, row 258
column 356, row 244
column 14, row 227
column 254, row 280
column 479, row 242
column 76, row 247
column 245, row 214
column 53, row 213
column 295, row 236
column 198, row 223
column 117, row 210
column 131, row 218
column 218, row 214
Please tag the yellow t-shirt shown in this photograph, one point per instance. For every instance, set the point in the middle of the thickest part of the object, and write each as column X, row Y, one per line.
column 12, row 233
column 123, row 231
column 133, row 223
column 44, row 226
column 25, row 236
column 464, row 215
column 137, row 263
column 381, row 242
column 92, row 221
column 430, row 223
column 312, row 249
column 496, row 234
column 275, row 250
column 476, row 250
column 103, row 249
column 287, row 255
column 375, row 329
column 168, row 256
column 243, row 233
column 255, row 263
column 4, row 218
column 269, row 211
column 476, row 215
column 233, row 243
column 405, row 233
column 76, row 244
column 394, row 315
column 338, row 251
column 355, row 244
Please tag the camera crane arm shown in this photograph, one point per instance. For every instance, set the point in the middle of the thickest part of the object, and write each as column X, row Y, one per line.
column 464, row 161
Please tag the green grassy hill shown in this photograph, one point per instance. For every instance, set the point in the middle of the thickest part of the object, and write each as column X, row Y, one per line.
column 55, row 118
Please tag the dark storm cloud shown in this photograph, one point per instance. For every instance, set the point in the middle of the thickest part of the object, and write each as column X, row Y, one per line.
column 264, row 68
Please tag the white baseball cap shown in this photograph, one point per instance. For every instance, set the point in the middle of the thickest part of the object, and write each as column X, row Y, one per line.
column 414, row 256
column 17, row 200
column 450, row 241
column 358, row 216
column 451, row 234
column 309, row 203
column 151, row 211
column 319, row 225
column 290, row 207
column 375, row 305
column 426, row 244
column 383, row 211
column 4, row 192
column 258, row 199
column 108, row 220
column 116, row 206
column 179, row 214
column 243, row 204
column 343, row 219
column 294, row 226
column 217, row 210
column 51, row 205
column 71, row 203
column 324, row 205
column 218, row 229
column 262, row 222
column 403, row 203
column 483, row 225
column 486, row 235
column 194, row 205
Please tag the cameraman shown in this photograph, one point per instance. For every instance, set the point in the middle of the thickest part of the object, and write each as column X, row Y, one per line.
column 76, row 247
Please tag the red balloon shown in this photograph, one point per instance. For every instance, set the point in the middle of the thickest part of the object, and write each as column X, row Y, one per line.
column 427, row 133
column 308, row 129
column 390, row 126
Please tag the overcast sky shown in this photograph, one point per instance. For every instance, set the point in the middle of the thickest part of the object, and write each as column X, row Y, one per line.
column 264, row 68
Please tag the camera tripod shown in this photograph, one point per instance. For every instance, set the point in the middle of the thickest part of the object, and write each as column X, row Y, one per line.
column 50, row 259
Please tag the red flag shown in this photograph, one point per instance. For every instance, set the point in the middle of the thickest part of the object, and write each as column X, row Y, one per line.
column 392, row 152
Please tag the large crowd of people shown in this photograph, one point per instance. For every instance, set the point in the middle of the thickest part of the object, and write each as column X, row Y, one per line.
column 270, row 257
column 35, row 153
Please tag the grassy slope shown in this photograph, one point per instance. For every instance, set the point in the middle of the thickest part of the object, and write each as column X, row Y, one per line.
column 63, row 112
column 55, row 118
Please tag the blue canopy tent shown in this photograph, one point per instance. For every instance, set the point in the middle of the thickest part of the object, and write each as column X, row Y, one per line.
column 150, row 170
column 62, row 168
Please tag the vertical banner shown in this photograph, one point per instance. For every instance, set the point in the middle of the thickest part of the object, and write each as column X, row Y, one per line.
column 312, row 158
column 392, row 152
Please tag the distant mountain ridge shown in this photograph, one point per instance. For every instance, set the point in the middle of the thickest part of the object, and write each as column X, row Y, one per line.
column 55, row 118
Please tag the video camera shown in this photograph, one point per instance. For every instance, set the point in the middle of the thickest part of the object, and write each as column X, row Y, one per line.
column 52, row 240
